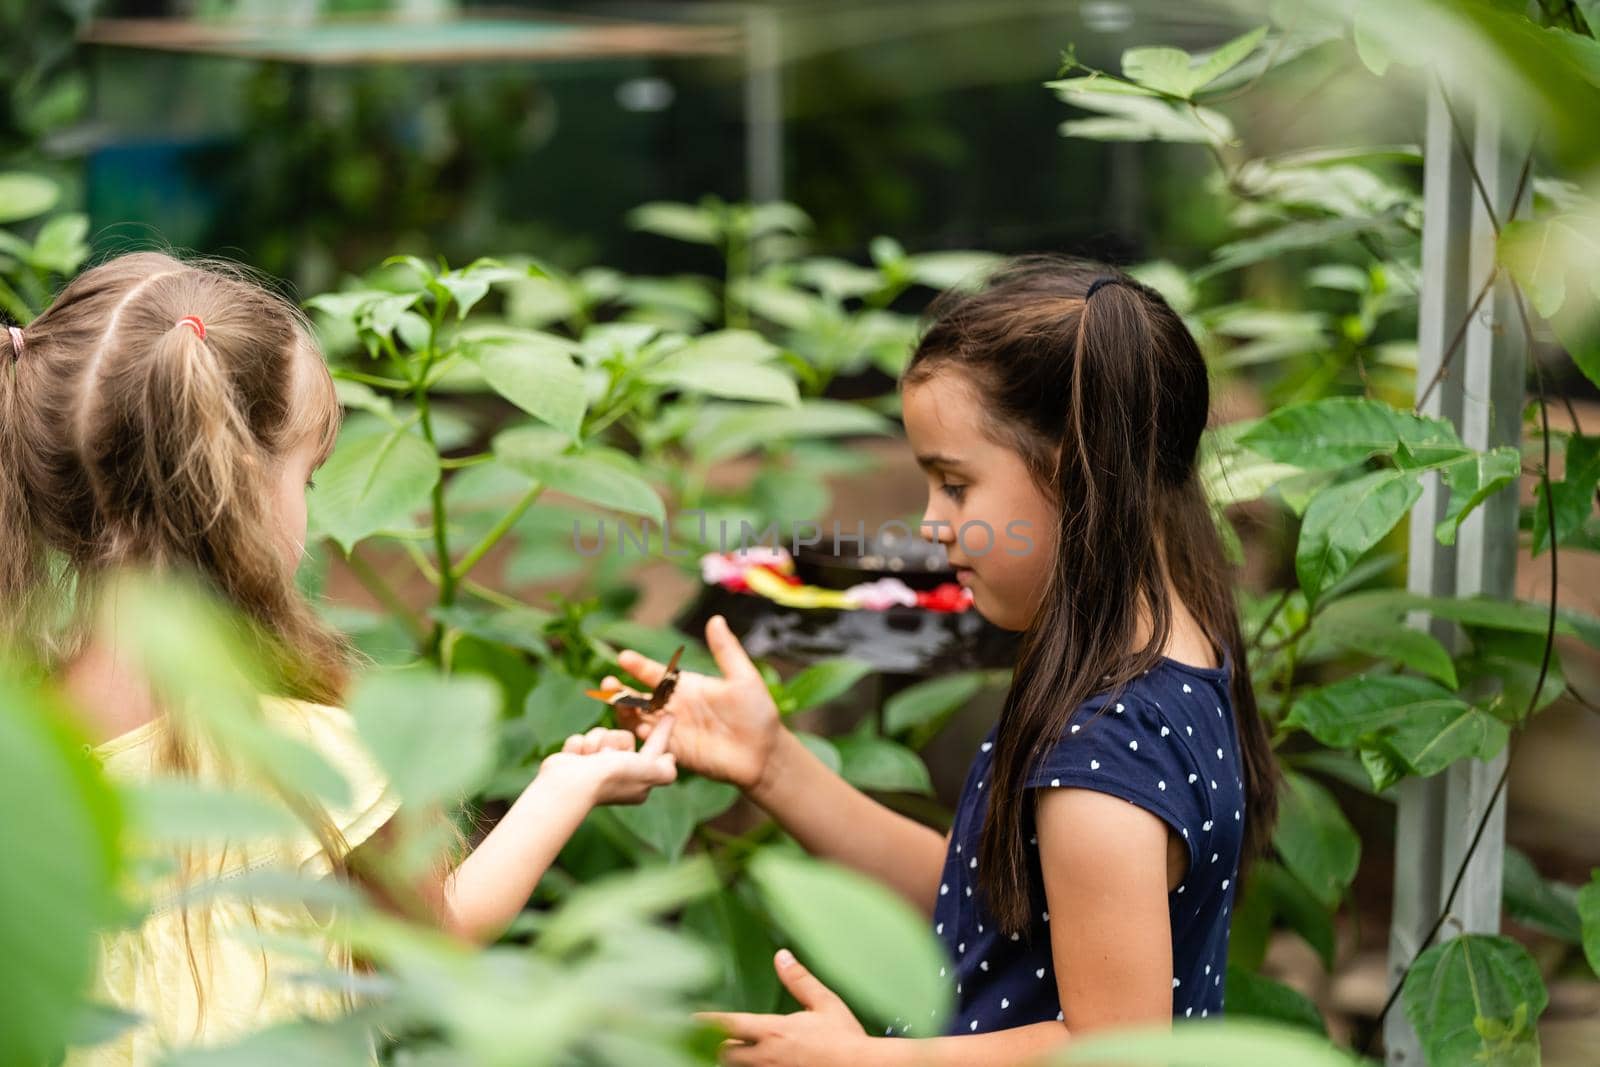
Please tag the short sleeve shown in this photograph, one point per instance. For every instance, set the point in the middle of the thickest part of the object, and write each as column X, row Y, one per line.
column 332, row 732
column 1127, row 749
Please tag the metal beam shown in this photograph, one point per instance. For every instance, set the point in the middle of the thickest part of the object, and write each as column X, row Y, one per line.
column 1481, row 391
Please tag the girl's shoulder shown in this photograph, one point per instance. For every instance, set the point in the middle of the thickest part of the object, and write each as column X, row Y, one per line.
column 368, row 800
column 1147, row 740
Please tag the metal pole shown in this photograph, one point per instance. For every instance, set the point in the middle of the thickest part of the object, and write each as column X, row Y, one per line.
column 763, row 104
column 1482, row 393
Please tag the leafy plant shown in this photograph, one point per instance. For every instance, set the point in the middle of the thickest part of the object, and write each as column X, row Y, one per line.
column 1335, row 660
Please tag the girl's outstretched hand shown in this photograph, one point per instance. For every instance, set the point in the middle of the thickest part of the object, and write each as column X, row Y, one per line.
column 726, row 727
column 824, row 1033
column 605, row 761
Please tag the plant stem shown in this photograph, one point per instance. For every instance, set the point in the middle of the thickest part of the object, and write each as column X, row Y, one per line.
column 492, row 596
column 369, row 379
column 375, row 584
column 490, row 539
column 424, row 565
column 466, row 461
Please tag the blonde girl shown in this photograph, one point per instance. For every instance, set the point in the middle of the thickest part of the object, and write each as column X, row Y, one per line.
column 169, row 415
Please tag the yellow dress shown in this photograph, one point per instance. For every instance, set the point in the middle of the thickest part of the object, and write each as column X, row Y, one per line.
column 248, row 984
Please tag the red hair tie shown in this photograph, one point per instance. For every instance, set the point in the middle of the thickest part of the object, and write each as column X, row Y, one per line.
column 194, row 323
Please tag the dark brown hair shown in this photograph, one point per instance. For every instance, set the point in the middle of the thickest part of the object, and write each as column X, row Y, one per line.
column 1105, row 400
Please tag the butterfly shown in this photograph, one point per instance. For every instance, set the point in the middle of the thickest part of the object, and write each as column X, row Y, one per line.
column 619, row 698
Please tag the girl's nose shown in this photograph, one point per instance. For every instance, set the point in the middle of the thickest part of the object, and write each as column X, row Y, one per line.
column 936, row 528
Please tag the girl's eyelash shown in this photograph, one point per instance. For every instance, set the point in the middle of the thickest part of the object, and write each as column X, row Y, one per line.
column 310, row 484
column 954, row 492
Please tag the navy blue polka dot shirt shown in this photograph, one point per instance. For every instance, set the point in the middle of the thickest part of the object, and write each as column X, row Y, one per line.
column 1166, row 743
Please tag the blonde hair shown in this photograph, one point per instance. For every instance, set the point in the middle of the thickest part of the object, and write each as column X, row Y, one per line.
column 129, row 439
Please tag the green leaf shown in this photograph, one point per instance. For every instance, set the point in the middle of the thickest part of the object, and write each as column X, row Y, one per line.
column 1297, row 906
column 535, row 372
column 728, row 430
column 681, row 222
column 874, row 763
column 464, row 289
column 1128, row 117
column 180, row 810
column 1255, row 995
column 1589, row 915
column 195, row 651
column 864, row 942
column 952, row 270
column 1343, row 522
column 1165, row 70
column 823, row 749
column 929, row 702
column 1572, row 498
column 1340, row 431
column 345, row 1043
column 1294, row 237
column 432, row 735
column 732, row 364
column 668, row 817
column 61, row 246
column 749, row 982
column 1208, row 1043
column 1419, row 724
column 23, row 196
column 1381, row 635
column 1545, row 255
column 1514, row 616
column 1315, row 840
column 372, row 483
column 1533, row 901
column 820, row 683
column 626, row 897
column 57, row 885
column 1472, row 480
column 1476, row 999
column 557, row 707
column 1507, row 666
column 1174, row 72
column 1221, row 60
column 609, row 480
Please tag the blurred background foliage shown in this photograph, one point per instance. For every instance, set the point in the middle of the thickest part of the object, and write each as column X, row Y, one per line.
column 547, row 295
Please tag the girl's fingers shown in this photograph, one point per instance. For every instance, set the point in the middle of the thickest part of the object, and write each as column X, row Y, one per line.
column 660, row 734
column 574, row 743
column 730, row 655
column 641, row 667
column 738, row 1025
column 621, row 740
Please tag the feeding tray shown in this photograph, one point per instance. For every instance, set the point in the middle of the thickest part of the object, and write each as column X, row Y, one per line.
column 901, row 639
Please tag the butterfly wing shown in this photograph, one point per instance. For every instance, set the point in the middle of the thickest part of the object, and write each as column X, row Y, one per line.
column 669, row 682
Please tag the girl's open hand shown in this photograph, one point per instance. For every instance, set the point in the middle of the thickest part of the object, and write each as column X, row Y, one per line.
column 726, row 727
column 824, row 1033
column 605, row 761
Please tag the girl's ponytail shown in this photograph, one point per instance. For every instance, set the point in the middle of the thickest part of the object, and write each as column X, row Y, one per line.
column 19, row 547
column 192, row 470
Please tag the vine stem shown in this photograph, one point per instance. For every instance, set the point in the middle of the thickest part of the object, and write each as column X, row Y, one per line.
column 1533, row 698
